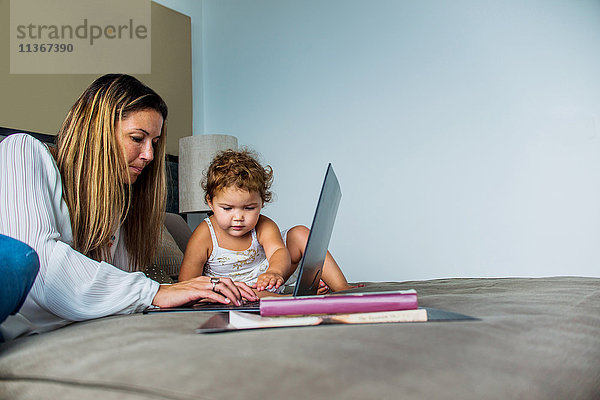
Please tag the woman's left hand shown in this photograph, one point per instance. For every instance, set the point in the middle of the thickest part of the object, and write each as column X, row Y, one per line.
column 223, row 290
column 246, row 291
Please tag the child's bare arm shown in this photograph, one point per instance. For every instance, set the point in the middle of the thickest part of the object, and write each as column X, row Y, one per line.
column 196, row 253
column 277, row 254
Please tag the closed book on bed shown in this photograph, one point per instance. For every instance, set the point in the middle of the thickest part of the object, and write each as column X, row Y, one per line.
column 339, row 303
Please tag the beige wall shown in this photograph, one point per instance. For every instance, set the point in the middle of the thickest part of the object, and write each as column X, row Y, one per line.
column 40, row 102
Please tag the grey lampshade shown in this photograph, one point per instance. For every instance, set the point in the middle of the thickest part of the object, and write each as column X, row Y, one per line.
column 195, row 154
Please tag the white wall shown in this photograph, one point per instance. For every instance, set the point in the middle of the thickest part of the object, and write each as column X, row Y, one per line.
column 465, row 134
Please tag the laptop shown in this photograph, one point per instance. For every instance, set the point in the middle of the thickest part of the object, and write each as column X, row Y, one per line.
column 311, row 265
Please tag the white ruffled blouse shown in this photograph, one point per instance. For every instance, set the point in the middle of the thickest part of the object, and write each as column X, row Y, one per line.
column 69, row 285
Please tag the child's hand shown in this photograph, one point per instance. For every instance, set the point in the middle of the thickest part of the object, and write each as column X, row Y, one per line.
column 268, row 280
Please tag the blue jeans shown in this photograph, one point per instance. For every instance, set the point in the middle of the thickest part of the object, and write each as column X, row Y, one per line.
column 19, row 265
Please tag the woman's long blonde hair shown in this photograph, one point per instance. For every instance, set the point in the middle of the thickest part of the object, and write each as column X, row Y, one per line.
column 95, row 172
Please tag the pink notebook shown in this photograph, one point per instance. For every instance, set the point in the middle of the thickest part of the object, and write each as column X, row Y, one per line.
column 339, row 303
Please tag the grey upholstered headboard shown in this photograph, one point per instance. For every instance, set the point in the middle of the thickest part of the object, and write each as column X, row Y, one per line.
column 50, row 139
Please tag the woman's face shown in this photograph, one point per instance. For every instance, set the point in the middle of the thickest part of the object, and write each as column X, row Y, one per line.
column 138, row 135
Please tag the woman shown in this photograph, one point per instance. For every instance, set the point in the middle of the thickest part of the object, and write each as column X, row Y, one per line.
column 93, row 211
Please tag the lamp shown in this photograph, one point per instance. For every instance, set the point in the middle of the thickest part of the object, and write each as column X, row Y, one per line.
column 195, row 154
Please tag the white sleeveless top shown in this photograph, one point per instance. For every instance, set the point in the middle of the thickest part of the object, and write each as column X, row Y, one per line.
column 242, row 266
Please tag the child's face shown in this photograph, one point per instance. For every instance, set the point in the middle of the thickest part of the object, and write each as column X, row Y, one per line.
column 236, row 211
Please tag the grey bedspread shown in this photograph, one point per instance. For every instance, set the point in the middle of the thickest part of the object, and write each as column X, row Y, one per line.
column 536, row 339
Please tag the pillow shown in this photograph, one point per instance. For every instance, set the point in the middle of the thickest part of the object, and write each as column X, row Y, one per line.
column 168, row 260
column 158, row 274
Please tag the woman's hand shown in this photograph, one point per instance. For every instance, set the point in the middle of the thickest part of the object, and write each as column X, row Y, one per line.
column 246, row 291
column 200, row 288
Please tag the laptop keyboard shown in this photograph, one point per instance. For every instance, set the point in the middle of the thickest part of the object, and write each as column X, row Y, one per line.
column 219, row 306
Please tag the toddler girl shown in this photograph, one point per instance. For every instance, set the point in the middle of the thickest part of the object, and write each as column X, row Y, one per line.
column 240, row 243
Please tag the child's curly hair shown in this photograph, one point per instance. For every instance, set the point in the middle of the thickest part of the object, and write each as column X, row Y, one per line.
column 240, row 169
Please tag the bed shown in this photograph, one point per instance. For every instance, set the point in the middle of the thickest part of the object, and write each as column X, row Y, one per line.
column 536, row 338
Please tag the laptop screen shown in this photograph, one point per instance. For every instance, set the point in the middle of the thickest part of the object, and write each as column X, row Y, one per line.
column 311, row 266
